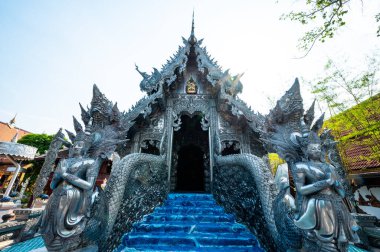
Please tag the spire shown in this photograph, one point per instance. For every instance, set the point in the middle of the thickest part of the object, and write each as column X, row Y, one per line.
column 77, row 126
column 192, row 25
column 192, row 40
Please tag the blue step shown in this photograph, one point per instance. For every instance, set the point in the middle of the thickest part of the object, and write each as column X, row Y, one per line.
column 189, row 210
column 192, row 249
column 189, row 222
column 193, row 218
column 189, row 227
column 189, row 203
column 191, row 196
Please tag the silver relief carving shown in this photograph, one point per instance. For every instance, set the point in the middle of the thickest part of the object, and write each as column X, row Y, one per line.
column 176, row 122
column 191, row 104
column 205, row 122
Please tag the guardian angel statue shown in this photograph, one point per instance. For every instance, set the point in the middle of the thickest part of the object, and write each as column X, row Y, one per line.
column 319, row 212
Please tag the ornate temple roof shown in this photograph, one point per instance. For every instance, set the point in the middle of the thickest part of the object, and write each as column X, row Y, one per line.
column 229, row 86
column 103, row 112
column 177, row 65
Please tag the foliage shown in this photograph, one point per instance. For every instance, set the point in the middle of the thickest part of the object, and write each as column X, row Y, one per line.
column 328, row 15
column 40, row 141
column 340, row 89
column 358, row 128
column 33, row 174
column 355, row 109
column 274, row 162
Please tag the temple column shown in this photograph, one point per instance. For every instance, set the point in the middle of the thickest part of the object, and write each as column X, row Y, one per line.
column 136, row 143
column 212, row 129
column 169, row 128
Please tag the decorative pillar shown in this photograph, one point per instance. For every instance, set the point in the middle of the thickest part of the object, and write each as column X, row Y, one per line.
column 244, row 142
column 212, row 129
column 169, row 127
column 136, row 143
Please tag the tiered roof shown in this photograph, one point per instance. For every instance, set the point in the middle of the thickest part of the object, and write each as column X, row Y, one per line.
column 158, row 81
column 229, row 86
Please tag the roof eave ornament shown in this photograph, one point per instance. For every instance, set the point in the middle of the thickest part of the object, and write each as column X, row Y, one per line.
column 12, row 122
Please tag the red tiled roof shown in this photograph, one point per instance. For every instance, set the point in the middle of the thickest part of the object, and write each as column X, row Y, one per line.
column 7, row 133
column 357, row 143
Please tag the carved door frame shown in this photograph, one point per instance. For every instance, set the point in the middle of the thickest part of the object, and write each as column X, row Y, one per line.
column 190, row 105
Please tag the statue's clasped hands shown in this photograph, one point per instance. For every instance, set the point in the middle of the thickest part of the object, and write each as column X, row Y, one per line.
column 61, row 169
column 331, row 180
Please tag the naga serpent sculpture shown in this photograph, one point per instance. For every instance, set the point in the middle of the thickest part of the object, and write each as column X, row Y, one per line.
column 245, row 167
column 137, row 184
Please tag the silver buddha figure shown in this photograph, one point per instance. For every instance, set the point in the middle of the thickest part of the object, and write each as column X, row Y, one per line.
column 321, row 212
column 65, row 214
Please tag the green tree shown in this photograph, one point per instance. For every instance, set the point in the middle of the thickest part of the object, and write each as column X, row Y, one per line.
column 354, row 105
column 341, row 89
column 327, row 16
column 358, row 128
column 40, row 141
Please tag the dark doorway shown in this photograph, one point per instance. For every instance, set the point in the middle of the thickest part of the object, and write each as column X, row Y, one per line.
column 190, row 170
column 190, row 156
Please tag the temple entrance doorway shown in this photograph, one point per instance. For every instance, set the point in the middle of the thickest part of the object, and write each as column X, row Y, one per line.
column 190, row 170
column 191, row 162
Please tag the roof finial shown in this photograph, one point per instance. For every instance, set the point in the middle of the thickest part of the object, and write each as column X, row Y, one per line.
column 192, row 40
column 15, row 138
column 192, row 25
column 12, row 122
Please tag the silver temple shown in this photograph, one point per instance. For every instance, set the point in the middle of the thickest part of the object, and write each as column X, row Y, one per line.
column 191, row 133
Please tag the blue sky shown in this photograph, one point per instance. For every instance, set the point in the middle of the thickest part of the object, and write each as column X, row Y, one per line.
column 52, row 52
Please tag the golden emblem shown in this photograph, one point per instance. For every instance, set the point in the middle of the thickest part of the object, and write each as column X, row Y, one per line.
column 191, row 87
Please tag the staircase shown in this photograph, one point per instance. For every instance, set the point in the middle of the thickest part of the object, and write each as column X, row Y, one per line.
column 189, row 222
